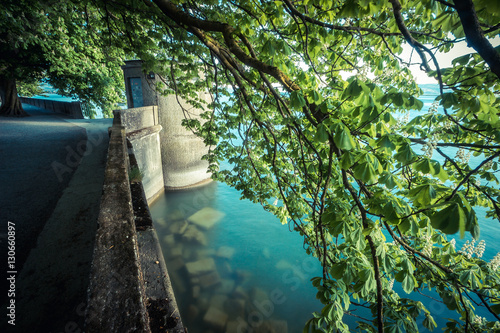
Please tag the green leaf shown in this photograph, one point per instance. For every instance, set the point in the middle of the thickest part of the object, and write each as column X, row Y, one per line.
column 297, row 99
column 448, row 100
column 347, row 160
column 405, row 154
column 409, row 283
column 429, row 322
column 389, row 212
column 315, row 96
column 423, row 195
column 337, row 270
column 354, row 89
column 268, row 48
column 450, row 220
column 343, row 138
column 366, row 173
column 386, row 144
column 469, row 277
column 322, row 133
column 389, row 180
column 424, row 166
column 439, row 171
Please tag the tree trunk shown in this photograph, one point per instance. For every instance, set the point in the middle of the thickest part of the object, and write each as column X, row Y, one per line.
column 11, row 104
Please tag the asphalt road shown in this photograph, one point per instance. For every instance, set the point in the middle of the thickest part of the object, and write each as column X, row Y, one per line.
column 51, row 176
column 30, row 148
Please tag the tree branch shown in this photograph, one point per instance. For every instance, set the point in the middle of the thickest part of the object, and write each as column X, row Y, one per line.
column 475, row 36
column 396, row 5
column 184, row 19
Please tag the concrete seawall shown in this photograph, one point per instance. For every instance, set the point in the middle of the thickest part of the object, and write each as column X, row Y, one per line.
column 73, row 109
column 142, row 130
column 130, row 290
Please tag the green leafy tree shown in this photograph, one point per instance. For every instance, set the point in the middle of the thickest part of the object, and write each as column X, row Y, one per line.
column 375, row 195
column 65, row 44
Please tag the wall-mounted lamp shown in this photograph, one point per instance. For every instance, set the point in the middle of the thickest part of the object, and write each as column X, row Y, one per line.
column 151, row 76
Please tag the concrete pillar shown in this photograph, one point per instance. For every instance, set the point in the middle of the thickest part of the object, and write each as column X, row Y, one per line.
column 181, row 150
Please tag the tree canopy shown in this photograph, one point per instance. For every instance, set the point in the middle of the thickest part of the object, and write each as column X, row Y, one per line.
column 377, row 196
column 65, row 44
column 319, row 116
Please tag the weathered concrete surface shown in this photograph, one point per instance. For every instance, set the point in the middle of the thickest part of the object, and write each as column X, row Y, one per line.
column 141, row 126
column 162, row 307
column 116, row 294
column 135, row 119
column 146, row 145
column 181, row 150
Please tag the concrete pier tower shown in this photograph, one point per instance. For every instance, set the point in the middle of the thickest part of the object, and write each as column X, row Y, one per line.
column 181, row 150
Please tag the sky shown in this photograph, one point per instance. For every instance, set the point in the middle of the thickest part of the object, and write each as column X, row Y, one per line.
column 444, row 59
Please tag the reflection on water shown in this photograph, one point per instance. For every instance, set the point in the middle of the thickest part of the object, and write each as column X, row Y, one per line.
column 233, row 266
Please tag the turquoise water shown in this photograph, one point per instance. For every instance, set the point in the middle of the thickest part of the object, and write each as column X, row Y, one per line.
column 264, row 271
column 256, row 271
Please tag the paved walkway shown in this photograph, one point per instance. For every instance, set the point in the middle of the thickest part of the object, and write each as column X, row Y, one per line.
column 51, row 175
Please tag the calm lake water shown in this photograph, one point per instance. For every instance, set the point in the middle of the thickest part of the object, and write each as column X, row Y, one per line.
column 244, row 268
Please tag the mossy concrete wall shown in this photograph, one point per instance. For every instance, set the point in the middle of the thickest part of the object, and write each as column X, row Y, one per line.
column 130, row 289
column 116, row 299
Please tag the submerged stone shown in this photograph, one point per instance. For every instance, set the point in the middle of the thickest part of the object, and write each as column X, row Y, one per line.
column 242, row 276
column 200, row 267
column 239, row 292
column 193, row 234
column 235, row 308
column 196, row 291
column 259, row 295
column 169, row 240
column 266, row 253
column 279, row 326
column 177, row 281
column 161, row 222
column 175, row 252
column 178, row 227
column 176, row 215
column 206, row 218
column 226, row 286
column 218, row 301
column 209, row 280
column 225, row 268
column 285, row 265
column 225, row 252
column 205, row 252
column 215, row 318
column 193, row 312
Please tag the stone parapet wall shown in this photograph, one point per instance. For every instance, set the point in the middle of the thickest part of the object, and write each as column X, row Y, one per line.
column 72, row 109
column 116, row 299
column 130, row 289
